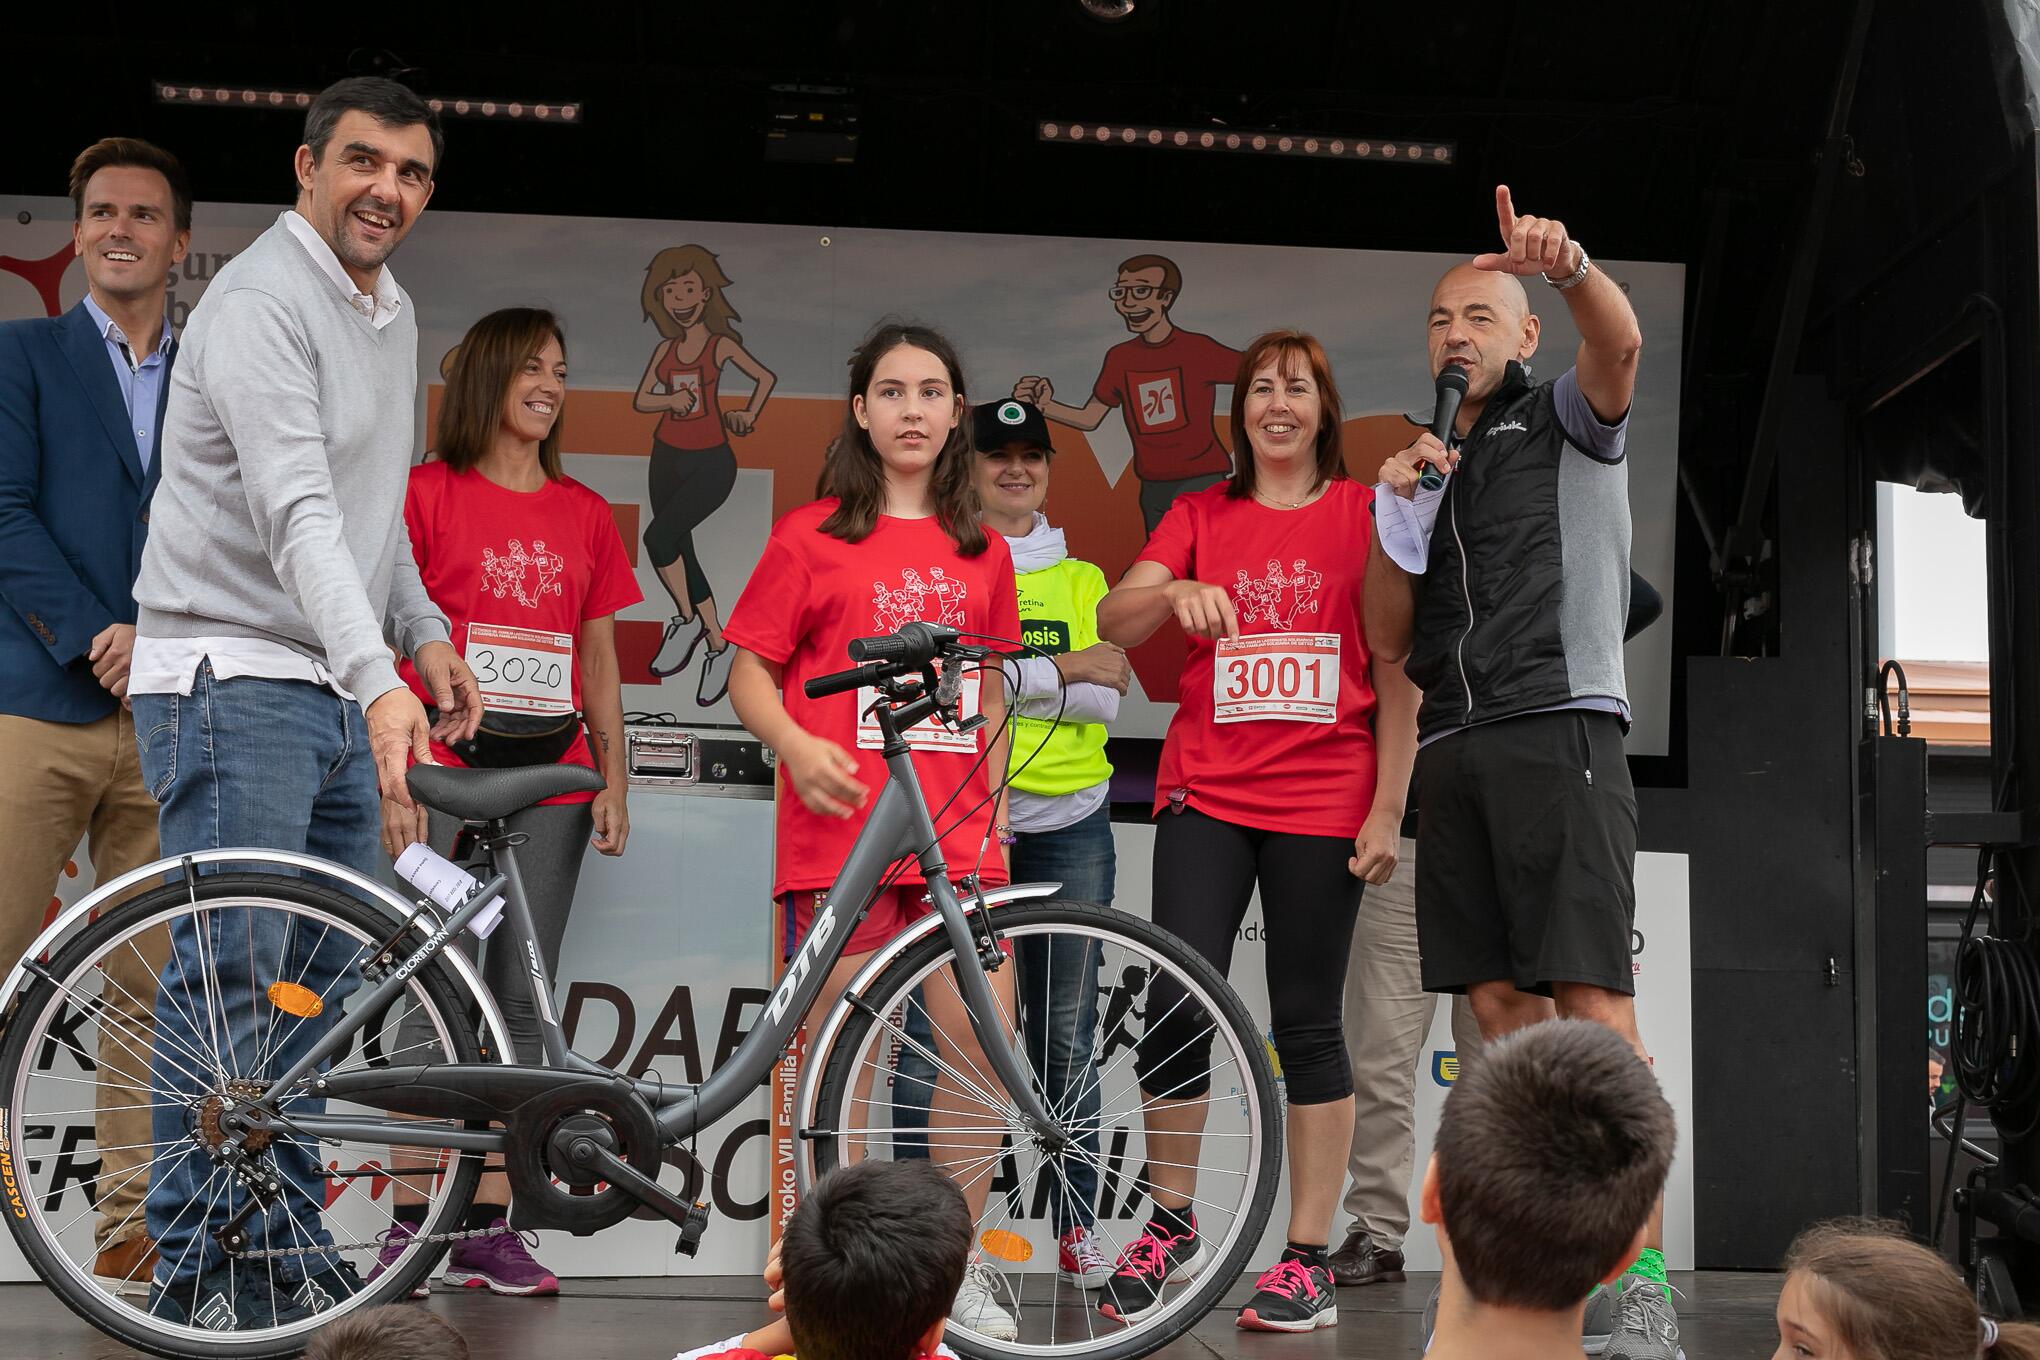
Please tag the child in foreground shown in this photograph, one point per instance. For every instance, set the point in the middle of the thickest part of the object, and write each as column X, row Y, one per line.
column 866, row 1269
column 1856, row 1290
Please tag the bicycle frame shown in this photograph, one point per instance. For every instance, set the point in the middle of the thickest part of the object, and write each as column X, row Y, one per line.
column 899, row 825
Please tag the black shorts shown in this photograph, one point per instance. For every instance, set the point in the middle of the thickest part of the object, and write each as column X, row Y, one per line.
column 1526, row 854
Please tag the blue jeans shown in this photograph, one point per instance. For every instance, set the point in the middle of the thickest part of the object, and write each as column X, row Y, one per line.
column 283, row 765
column 1058, row 984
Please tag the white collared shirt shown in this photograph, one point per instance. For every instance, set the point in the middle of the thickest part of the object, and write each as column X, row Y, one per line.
column 380, row 307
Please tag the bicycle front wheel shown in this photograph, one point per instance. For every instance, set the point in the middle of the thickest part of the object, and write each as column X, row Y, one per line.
column 122, row 1070
column 874, row 1102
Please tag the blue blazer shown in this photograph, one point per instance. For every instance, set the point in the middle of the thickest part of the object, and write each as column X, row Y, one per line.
column 73, row 513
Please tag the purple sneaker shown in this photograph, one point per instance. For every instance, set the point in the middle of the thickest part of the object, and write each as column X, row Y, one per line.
column 501, row 1264
column 393, row 1243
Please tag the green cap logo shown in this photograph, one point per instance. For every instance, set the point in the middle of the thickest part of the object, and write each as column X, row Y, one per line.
column 1010, row 413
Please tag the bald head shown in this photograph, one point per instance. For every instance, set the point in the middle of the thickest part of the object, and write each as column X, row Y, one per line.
column 1465, row 282
column 1479, row 320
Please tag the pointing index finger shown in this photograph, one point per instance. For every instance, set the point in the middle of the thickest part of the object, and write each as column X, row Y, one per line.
column 1505, row 211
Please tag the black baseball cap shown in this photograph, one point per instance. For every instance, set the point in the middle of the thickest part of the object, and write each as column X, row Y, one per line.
column 996, row 424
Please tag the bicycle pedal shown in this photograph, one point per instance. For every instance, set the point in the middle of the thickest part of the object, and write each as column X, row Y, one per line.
column 693, row 1228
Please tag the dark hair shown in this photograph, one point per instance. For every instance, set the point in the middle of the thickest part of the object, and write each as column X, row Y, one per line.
column 852, row 472
column 1552, row 1152
column 133, row 152
column 479, row 372
column 1294, row 351
column 386, row 101
column 392, row 1332
column 1172, row 277
column 873, row 1258
column 1891, row 1299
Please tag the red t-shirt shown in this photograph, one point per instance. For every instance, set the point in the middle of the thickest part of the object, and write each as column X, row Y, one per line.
column 527, row 568
column 702, row 427
column 808, row 596
column 1168, row 396
column 1278, row 733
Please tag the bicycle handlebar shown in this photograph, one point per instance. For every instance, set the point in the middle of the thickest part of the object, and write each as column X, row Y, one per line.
column 822, row 686
column 916, row 646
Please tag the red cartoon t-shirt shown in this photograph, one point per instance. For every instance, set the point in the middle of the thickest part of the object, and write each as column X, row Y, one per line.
column 518, row 573
column 809, row 595
column 1168, row 396
column 701, row 427
column 1274, row 728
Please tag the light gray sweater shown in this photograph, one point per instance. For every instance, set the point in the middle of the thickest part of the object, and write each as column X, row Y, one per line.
column 286, row 447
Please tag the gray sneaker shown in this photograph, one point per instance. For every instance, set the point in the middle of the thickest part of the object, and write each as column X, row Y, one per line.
column 1644, row 1324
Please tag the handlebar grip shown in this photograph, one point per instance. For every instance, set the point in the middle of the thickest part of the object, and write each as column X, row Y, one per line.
column 822, row 686
column 891, row 647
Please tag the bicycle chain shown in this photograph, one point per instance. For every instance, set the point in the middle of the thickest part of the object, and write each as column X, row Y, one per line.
column 268, row 1253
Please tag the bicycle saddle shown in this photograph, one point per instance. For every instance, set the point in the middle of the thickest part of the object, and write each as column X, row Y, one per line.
column 485, row 795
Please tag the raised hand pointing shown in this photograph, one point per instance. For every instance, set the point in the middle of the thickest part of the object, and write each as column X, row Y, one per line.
column 1530, row 245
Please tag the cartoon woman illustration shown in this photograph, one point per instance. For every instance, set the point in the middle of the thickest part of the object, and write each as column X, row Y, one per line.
column 693, row 469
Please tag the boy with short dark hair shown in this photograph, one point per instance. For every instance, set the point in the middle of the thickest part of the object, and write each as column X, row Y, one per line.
column 1551, row 1155
column 866, row 1269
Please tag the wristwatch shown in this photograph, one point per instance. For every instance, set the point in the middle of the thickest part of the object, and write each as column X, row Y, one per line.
column 1577, row 277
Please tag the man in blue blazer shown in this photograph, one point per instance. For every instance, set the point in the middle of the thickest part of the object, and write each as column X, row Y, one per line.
column 81, row 403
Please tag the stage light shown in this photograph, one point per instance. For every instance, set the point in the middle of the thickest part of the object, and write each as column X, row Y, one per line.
column 1267, row 143
column 264, row 97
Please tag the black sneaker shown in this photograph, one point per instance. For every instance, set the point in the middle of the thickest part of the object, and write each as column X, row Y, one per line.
column 1153, row 1259
column 336, row 1283
column 228, row 1299
column 1292, row 1297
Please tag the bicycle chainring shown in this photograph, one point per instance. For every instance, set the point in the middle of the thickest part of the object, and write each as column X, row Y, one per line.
column 549, row 1189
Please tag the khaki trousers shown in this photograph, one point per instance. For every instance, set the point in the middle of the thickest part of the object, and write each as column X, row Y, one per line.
column 1388, row 1013
column 59, row 782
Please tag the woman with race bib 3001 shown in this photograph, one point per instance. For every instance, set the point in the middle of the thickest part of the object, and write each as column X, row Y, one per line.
column 1268, row 779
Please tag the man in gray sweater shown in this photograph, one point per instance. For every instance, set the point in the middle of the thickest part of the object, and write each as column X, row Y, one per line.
column 276, row 578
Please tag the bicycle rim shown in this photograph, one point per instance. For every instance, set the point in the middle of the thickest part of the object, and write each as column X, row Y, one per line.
column 281, row 962
column 1237, row 1157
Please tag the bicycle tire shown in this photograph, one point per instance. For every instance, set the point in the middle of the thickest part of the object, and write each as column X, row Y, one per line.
column 1235, row 1026
column 29, row 1032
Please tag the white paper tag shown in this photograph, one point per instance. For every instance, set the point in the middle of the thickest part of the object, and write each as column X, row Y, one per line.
column 522, row 670
column 927, row 734
column 1292, row 677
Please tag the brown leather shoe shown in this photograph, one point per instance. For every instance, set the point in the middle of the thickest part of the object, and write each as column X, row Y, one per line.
column 1359, row 1261
column 127, row 1267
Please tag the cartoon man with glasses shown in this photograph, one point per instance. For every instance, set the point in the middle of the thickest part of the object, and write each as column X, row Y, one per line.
column 1165, row 382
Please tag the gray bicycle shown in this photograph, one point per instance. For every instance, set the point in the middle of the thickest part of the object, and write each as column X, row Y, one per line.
column 377, row 1060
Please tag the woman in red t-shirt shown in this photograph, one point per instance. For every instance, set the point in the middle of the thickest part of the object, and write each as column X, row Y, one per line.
column 895, row 539
column 530, row 570
column 1268, row 778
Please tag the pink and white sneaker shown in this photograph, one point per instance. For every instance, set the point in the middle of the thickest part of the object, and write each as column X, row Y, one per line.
column 1080, row 1260
column 393, row 1243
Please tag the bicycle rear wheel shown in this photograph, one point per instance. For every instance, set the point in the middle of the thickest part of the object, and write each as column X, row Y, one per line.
column 862, row 1113
column 88, row 1043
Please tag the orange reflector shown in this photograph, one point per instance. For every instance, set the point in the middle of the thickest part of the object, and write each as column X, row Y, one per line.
column 292, row 999
column 1007, row 1246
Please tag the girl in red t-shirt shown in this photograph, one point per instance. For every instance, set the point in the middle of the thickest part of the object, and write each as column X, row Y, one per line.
column 1278, row 771
column 895, row 539
column 530, row 570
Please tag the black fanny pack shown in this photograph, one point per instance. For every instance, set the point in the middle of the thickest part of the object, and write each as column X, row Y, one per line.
column 509, row 739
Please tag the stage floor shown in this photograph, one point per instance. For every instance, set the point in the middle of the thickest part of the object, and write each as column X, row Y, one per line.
column 1723, row 1314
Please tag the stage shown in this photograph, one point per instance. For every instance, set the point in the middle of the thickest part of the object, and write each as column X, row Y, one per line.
column 1723, row 1313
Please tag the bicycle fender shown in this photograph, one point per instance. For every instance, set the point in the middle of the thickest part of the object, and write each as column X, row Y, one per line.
column 383, row 898
column 810, row 1072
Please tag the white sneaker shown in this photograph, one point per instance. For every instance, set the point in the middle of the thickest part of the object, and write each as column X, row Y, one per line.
column 977, row 1307
column 1080, row 1260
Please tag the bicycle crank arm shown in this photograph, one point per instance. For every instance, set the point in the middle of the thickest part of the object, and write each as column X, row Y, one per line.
column 692, row 1218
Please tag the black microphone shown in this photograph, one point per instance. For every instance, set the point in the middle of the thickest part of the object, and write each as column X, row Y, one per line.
column 1451, row 391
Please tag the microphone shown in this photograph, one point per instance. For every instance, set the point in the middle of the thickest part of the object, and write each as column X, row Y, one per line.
column 1451, row 391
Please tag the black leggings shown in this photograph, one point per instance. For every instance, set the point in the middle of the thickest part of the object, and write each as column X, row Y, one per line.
column 687, row 486
column 1205, row 872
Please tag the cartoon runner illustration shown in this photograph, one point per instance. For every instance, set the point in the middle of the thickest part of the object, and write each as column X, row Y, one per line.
column 1164, row 381
column 693, row 469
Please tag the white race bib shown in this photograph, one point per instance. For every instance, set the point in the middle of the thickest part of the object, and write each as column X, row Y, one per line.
column 927, row 734
column 522, row 670
column 1289, row 676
